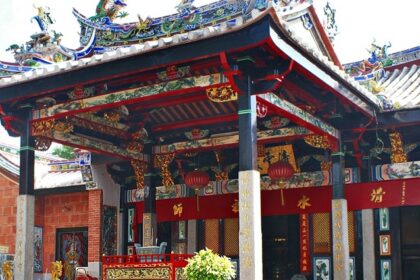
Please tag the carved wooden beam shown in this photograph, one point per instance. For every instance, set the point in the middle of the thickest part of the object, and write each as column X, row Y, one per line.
column 300, row 117
column 225, row 141
column 93, row 144
column 127, row 96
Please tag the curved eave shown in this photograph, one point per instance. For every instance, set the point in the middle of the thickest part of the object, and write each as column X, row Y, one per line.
column 9, row 169
column 323, row 69
column 137, row 58
column 187, row 47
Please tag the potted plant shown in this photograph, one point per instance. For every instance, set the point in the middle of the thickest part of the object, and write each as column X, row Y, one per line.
column 206, row 265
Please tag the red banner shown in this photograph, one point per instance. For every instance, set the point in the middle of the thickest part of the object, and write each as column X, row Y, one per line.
column 305, row 263
column 382, row 194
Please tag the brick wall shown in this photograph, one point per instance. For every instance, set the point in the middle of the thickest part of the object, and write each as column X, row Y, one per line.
column 8, row 196
column 95, row 225
column 60, row 211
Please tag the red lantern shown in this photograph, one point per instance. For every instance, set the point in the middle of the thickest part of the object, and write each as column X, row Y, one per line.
column 280, row 171
column 196, row 180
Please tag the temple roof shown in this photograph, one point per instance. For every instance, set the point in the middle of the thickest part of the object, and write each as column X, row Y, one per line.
column 395, row 77
column 402, row 85
column 277, row 12
column 46, row 174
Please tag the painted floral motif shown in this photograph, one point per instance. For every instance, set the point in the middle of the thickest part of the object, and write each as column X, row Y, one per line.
column 130, row 94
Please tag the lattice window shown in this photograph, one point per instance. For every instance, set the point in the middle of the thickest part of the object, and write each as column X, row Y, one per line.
column 351, row 231
column 321, row 228
column 211, row 234
column 231, row 237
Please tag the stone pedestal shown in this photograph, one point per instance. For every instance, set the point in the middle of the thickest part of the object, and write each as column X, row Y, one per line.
column 368, row 227
column 24, row 252
column 340, row 239
column 250, row 236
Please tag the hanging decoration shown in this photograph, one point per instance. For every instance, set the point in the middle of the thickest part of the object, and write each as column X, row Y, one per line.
column 163, row 161
column 281, row 171
column 139, row 168
column 317, row 141
column 197, row 180
column 221, row 94
column 42, row 144
column 398, row 154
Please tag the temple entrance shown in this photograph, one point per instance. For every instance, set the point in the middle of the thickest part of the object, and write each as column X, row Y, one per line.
column 72, row 250
column 164, row 234
column 280, row 246
column 410, row 238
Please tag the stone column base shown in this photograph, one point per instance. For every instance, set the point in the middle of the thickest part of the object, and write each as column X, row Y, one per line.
column 94, row 269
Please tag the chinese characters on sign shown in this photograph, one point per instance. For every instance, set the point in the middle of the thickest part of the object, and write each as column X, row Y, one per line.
column 177, row 209
column 304, row 243
column 338, row 249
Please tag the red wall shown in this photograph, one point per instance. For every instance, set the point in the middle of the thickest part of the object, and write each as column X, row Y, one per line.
column 8, row 195
column 60, row 211
column 52, row 212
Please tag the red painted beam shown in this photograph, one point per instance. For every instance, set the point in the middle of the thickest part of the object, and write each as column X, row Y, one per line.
column 299, row 92
column 196, row 123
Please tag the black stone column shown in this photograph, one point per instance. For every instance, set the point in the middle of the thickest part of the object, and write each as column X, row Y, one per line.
column 27, row 157
column 25, row 216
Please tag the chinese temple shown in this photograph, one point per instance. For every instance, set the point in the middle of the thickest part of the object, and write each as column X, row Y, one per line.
column 231, row 126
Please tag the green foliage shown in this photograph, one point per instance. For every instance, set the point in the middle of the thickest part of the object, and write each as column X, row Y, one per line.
column 206, row 265
column 64, row 152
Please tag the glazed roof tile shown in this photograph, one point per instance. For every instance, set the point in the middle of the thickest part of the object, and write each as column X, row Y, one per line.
column 402, row 86
column 60, row 179
column 235, row 23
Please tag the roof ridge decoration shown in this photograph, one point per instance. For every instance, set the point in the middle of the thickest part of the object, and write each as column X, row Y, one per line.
column 370, row 71
column 102, row 39
column 100, row 34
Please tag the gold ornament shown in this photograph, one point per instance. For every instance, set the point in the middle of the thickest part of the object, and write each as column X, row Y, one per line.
column 222, row 94
column 42, row 127
column 398, row 154
column 56, row 270
column 163, row 161
column 135, row 147
column 139, row 169
column 177, row 209
column 7, row 270
column 64, row 127
column 317, row 141
column 235, row 206
column 326, row 165
column 377, row 195
column 304, row 202
column 112, row 117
